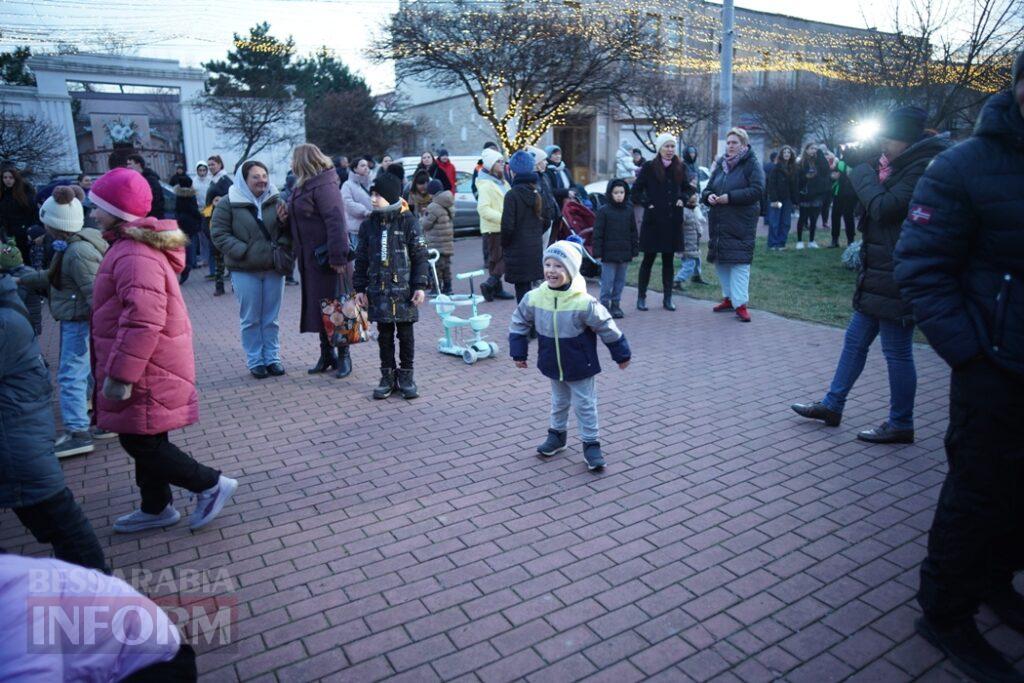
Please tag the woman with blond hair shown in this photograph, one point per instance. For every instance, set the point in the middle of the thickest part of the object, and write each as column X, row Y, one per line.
column 316, row 213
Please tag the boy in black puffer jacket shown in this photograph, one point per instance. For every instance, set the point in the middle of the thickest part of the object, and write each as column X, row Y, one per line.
column 616, row 244
column 390, row 281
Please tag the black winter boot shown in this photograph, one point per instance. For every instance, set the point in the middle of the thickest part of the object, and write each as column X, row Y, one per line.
column 387, row 383
column 616, row 310
column 446, row 287
column 667, row 303
column 218, row 289
column 555, row 443
column 343, row 363
column 641, row 303
column 487, row 290
column 406, row 384
column 500, row 293
column 327, row 360
column 968, row 650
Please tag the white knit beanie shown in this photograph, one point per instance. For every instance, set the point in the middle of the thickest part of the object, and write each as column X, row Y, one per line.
column 569, row 254
column 662, row 140
column 490, row 157
column 539, row 155
column 63, row 211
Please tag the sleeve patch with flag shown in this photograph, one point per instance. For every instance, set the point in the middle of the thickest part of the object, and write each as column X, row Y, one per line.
column 920, row 214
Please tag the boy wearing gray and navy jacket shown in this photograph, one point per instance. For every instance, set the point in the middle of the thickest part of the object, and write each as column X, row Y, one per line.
column 568, row 322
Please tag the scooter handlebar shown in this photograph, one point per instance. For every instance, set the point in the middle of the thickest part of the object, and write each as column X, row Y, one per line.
column 475, row 273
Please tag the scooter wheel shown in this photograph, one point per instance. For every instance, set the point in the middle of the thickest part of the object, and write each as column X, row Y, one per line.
column 469, row 355
column 494, row 349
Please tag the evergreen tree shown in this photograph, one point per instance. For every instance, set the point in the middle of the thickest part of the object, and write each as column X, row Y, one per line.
column 14, row 68
column 260, row 65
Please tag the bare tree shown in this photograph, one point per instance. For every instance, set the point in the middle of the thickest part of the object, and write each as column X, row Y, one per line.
column 658, row 102
column 32, row 144
column 944, row 55
column 785, row 112
column 253, row 123
column 525, row 65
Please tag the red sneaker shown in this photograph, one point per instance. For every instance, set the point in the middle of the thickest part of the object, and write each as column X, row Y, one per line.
column 723, row 307
column 743, row 314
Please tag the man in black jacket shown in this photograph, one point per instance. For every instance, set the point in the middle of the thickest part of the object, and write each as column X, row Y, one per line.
column 960, row 262
column 137, row 163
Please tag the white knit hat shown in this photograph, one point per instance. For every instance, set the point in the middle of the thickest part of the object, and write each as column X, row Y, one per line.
column 63, row 211
column 539, row 155
column 662, row 140
column 569, row 254
column 490, row 157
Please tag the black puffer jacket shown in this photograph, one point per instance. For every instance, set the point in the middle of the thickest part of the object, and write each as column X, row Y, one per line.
column 616, row 238
column 815, row 179
column 732, row 227
column 522, row 233
column 782, row 186
column 884, row 208
column 389, row 284
column 960, row 257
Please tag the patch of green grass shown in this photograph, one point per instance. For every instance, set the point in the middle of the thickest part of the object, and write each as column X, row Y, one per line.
column 810, row 284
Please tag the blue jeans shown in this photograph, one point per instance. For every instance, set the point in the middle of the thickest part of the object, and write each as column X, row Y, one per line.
column 898, row 349
column 259, row 300
column 688, row 268
column 779, row 220
column 73, row 375
column 735, row 279
column 613, row 279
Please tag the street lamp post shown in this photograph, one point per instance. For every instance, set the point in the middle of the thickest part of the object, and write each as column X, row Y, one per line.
column 725, row 79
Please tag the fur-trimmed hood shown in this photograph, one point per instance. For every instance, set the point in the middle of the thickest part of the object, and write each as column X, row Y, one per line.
column 180, row 191
column 164, row 236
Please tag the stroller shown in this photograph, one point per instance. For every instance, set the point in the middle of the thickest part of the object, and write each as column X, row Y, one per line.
column 578, row 220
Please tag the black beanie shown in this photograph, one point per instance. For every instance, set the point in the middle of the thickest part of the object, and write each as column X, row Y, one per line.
column 906, row 124
column 1018, row 69
column 389, row 187
column 396, row 169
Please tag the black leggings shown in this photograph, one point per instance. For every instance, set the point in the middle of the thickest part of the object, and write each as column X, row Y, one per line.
column 521, row 289
column 386, row 343
column 808, row 217
column 842, row 212
column 667, row 266
column 59, row 521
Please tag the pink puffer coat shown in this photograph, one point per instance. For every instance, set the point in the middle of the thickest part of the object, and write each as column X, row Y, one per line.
column 141, row 332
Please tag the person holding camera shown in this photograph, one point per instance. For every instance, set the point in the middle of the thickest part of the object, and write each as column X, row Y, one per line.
column 884, row 187
column 960, row 263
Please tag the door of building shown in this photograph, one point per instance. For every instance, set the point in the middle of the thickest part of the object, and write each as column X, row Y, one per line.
column 574, row 139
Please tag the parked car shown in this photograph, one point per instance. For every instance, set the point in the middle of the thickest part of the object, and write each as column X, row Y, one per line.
column 467, row 220
column 597, row 189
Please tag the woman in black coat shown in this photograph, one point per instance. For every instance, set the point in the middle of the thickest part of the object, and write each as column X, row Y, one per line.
column 17, row 210
column 663, row 189
column 815, row 184
column 734, row 196
column 523, row 226
column 783, row 194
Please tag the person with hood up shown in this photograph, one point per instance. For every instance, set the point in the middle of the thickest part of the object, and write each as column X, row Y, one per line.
column 247, row 226
column 492, row 188
column 186, row 211
column 884, row 189
column 959, row 262
column 663, row 188
column 523, row 226
column 559, row 175
column 733, row 194
column 137, row 163
column 390, row 280
column 355, row 195
column 439, row 232
column 69, row 283
column 316, row 213
column 32, row 483
column 144, row 363
column 616, row 243
column 444, row 171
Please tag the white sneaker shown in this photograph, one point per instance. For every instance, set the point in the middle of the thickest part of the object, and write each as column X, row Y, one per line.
column 210, row 502
column 140, row 521
column 799, row 245
column 812, row 245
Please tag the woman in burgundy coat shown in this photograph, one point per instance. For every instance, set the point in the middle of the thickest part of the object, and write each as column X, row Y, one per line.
column 320, row 240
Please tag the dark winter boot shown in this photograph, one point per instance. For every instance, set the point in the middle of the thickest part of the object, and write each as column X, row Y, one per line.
column 616, row 310
column 406, row 384
column 968, row 650
column 218, row 289
column 500, row 293
column 592, row 454
column 327, row 360
column 343, row 363
column 667, row 303
column 387, row 383
column 555, row 443
column 641, row 303
column 446, row 287
column 487, row 290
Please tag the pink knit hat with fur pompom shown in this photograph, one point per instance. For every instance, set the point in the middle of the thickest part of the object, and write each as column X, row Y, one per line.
column 123, row 193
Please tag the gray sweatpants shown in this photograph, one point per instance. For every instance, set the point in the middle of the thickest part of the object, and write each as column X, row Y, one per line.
column 582, row 396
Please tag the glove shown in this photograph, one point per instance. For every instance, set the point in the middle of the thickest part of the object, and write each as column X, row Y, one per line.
column 116, row 391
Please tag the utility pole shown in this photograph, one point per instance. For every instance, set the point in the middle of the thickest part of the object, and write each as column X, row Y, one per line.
column 725, row 78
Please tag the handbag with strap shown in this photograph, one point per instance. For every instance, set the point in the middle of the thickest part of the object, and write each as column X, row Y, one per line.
column 284, row 260
column 345, row 321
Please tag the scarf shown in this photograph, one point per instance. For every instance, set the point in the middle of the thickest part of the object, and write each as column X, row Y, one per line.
column 884, row 168
column 665, row 162
column 560, row 175
column 243, row 188
column 730, row 162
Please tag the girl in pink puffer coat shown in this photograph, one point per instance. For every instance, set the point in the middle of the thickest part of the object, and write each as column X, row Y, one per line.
column 143, row 359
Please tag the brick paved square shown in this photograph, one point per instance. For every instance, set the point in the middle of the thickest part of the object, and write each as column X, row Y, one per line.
column 727, row 539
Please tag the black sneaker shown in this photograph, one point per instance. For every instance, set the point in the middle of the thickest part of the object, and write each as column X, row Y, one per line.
column 555, row 443
column 886, row 434
column 260, row 372
column 818, row 411
column 592, row 454
column 968, row 651
column 387, row 384
column 698, row 280
column 73, row 443
column 275, row 369
column 1008, row 605
column 616, row 310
